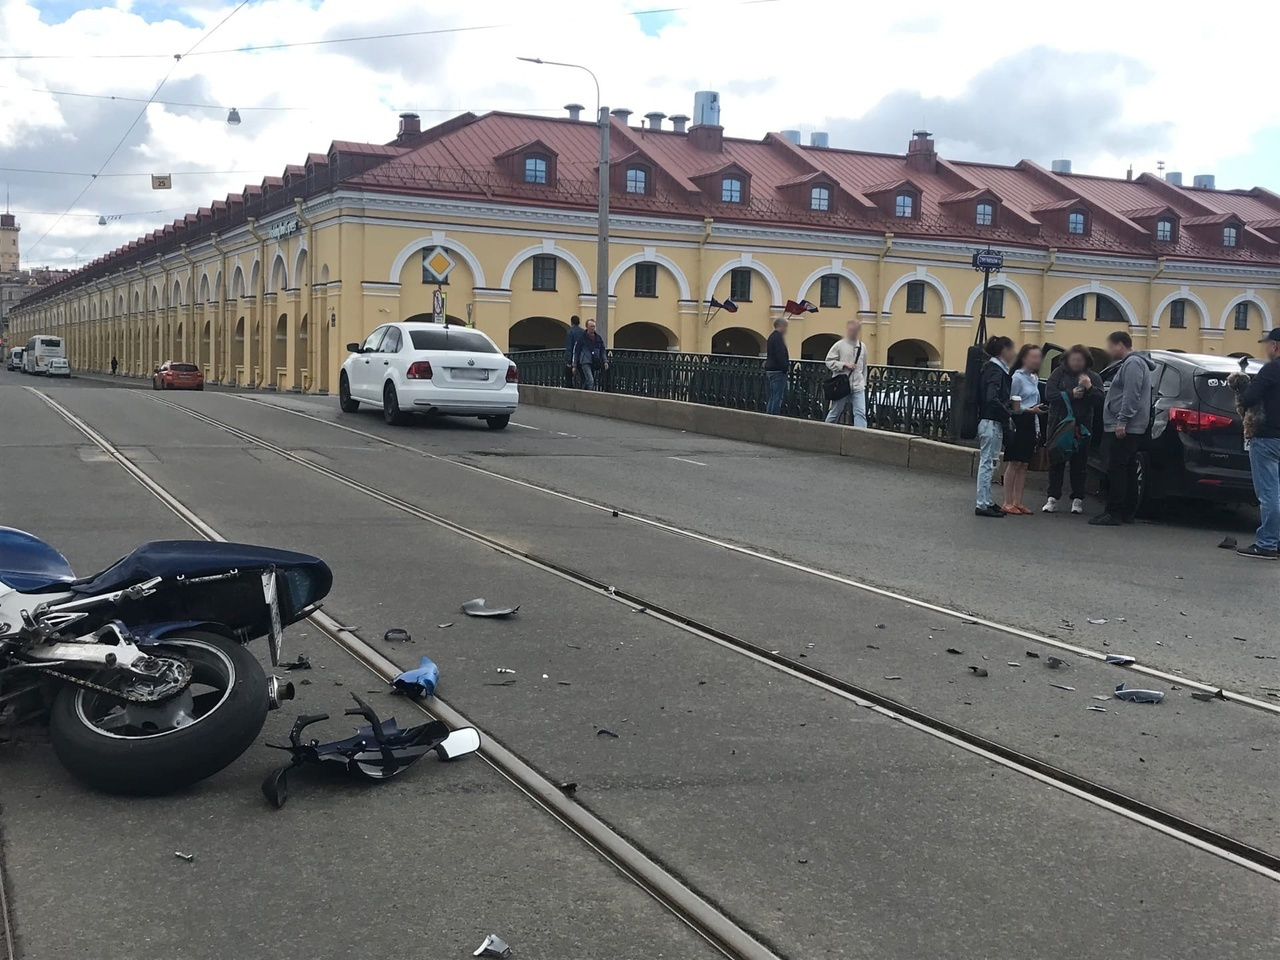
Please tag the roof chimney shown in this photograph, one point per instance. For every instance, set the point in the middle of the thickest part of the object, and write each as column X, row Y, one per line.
column 792, row 135
column 410, row 125
column 622, row 113
column 575, row 110
column 1204, row 181
column 705, row 136
column 818, row 139
column 655, row 119
column 1128, row 174
column 1174, row 177
column 678, row 121
column 1061, row 166
column 920, row 153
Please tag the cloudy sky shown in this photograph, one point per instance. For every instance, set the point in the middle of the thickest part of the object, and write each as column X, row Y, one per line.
column 1107, row 84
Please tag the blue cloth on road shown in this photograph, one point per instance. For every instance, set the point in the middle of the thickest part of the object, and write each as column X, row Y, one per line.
column 1264, row 459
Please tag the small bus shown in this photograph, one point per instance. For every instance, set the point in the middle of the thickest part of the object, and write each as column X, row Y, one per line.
column 38, row 352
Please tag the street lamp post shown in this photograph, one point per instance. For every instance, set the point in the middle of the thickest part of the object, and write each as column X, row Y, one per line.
column 602, row 204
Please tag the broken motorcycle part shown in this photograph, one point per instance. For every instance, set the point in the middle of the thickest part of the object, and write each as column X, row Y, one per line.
column 420, row 682
column 479, row 607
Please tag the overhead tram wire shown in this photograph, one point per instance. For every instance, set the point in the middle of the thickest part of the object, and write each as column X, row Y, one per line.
column 177, row 59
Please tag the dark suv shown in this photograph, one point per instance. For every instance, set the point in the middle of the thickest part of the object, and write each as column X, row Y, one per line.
column 1195, row 447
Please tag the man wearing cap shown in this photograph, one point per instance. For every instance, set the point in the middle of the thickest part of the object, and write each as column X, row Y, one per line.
column 1263, row 391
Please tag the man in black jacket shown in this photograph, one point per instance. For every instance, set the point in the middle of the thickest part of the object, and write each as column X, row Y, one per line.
column 777, row 363
column 1263, row 391
column 994, row 418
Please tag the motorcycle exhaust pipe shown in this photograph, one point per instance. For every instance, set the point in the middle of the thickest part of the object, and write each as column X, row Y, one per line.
column 278, row 691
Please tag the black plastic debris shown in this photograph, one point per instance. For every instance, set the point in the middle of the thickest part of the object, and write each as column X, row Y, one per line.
column 615, row 513
column 396, row 635
column 302, row 663
column 979, row 671
column 955, row 651
column 1120, row 660
column 494, row 946
column 569, row 786
column 1207, row 695
column 1135, row 695
column 480, row 608
column 602, row 732
column 893, row 677
column 1032, row 655
column 1228, row 543
column 1053, row 663
column 879, row 626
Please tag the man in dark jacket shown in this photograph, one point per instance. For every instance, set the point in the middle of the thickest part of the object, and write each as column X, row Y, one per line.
column 994, row 418
column 571, row 341
column 589, row 359
column 1263, row 391
column 1083, row 388
column 777, row 363
column 1126, row 417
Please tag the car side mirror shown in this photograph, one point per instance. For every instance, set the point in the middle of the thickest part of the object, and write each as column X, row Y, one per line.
column 353, row 348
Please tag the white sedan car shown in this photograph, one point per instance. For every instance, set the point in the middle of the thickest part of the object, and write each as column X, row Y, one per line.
column 430, row 368
column 59, row 367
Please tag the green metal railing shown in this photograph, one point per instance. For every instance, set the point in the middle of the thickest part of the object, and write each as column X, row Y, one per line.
column 918, row 401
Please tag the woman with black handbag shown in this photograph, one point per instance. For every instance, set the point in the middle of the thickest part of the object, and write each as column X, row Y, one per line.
column 847, row 388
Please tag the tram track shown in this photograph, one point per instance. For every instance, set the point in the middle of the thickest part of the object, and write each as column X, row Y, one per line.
column 1106, row 798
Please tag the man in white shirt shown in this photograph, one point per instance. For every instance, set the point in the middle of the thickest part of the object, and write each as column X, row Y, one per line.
column 849, row 357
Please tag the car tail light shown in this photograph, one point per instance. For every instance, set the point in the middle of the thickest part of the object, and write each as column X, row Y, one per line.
column 513, row 375
column 1188, row 420
column 419, row 370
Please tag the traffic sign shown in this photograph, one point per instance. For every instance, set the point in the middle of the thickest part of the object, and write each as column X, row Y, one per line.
column 986, row 260
column 437, row 306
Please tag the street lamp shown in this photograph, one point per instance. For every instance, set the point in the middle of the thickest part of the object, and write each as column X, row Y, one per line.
column 602, row 206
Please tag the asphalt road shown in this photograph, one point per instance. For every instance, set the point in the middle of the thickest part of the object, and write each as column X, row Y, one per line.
column 812, row 822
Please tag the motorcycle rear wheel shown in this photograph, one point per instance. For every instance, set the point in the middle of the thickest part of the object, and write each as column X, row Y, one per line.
column 151, row 749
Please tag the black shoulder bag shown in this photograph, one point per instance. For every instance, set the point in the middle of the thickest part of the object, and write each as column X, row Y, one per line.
column 839, row 386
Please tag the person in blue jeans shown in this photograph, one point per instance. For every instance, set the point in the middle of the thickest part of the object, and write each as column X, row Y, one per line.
column 1263, row 390
column 777, row 363
column 994, row 415
column 589, row 358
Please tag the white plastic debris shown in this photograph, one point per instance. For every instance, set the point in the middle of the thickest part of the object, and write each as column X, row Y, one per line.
column 1097, row 709
column 1061, row 686
column 184, row 856
column 493, row 946
column 1120, row 660
column 1135, row 695
column 1098, row 622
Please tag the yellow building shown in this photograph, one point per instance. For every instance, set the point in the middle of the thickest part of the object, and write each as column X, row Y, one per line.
column 266, row 287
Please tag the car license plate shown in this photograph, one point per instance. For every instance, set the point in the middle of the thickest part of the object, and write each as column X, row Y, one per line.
column 466, row 373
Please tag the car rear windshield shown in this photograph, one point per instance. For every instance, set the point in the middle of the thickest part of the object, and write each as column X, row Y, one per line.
column 1213, row 392
column 466, row 341
column 185, row 367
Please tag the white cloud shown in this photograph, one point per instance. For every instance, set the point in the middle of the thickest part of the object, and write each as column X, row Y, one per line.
column 1121, row 83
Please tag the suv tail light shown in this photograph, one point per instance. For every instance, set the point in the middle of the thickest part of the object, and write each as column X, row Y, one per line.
column 419, row 370
column 1188, row 420
column 513, row 375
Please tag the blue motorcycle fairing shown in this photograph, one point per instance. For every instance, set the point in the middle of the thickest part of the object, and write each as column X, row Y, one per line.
column 30, row 565
column 191, row 559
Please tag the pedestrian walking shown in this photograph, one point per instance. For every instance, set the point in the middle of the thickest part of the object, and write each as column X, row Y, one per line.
column 589, row 359
column 849, row 357
column 1021, row 447
column 1126, row 416
column 114, row 365
column 777, row 363
column 1263, row 390
column 994, row 413
column 1083, row 390
column 571, row 340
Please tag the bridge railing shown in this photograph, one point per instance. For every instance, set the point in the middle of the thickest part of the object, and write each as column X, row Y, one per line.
column 919, row 401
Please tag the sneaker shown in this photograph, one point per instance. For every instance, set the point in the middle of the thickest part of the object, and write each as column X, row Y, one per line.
column 988, row 511
column 1051, row 505
column 1105, row 520
column 1077, row 506
column 1256, row 552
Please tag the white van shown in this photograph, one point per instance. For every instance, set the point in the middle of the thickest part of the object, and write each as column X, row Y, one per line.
column 38, row 352
column 15, row 358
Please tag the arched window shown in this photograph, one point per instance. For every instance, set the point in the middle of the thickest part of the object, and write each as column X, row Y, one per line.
column 820, row 198
column 1076, row 222
column 1178, row 315
column 731, row 190
column 1164, row 231
column 1230, row 236
column 904, row 205
column 1242, row 315
column 535, row 169
column 637, row 180
column 986, row 215
column 1107, row 309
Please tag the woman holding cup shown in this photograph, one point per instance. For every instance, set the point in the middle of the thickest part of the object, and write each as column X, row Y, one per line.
column 1025, row 399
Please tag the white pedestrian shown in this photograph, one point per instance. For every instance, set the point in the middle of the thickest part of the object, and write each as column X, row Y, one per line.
column 849, row 357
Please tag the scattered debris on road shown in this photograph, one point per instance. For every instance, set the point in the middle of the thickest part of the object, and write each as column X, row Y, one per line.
column 444, row 626
column 420, row 682
column 1101, row 696
column 184, row 856
column 879, row 626
column 504, row 670
column 396, row 635
column 1053, row 663
column 895, row 677
column 954, row 650
column 495, row 946
column 1136, row 695
column 302, row 663
column 1097, row 622
column 1062, row 686
column 1033, row 655
column 1120, row 660
column 479, row 607
column 568, row 786
column 1208, row 695
column 602, row 732
column 1096, row 709
column 979, row 671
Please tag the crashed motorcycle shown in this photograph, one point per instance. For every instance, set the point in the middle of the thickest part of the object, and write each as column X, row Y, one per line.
column 143, row 669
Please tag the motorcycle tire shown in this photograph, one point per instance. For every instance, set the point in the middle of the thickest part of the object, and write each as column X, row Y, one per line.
column 147, row 763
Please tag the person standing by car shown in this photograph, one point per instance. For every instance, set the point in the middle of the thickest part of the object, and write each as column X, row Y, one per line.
column 589, row 359
column 571, row 341
column 1263, row 391
column 1025, row 401
column 1126, row 416
column 114, row 365
column 994, row 413
column 777, row 363
column 849, row 357
column 1084, row 391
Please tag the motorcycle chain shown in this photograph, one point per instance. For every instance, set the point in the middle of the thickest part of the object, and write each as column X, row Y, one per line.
column 120, row 694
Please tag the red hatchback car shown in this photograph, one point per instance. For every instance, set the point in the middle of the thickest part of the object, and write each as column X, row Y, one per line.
column 177, row 376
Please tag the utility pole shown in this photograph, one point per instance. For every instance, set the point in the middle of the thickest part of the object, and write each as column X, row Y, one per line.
column 602, row 233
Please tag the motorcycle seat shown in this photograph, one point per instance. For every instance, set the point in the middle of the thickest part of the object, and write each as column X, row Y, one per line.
column 171, row 559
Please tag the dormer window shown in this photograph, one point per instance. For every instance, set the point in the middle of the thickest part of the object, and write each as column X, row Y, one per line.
column 731, row 190
column 904, row 205
column 637, row 180
column 986, row 215
column 1164, row 231
column 1076, row 222
column 820, row 198
column 535, row 169
column 1230, row 236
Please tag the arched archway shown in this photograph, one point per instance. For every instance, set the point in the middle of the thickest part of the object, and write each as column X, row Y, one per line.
column 237, row 353
column 816, row 346
column 737, row 342
column 279, row 276
column 206, row 334
column 301, row 373
column 913, row 353
column 537, row 333
column 643, row 335
column 179, row 343
column 237, row 283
